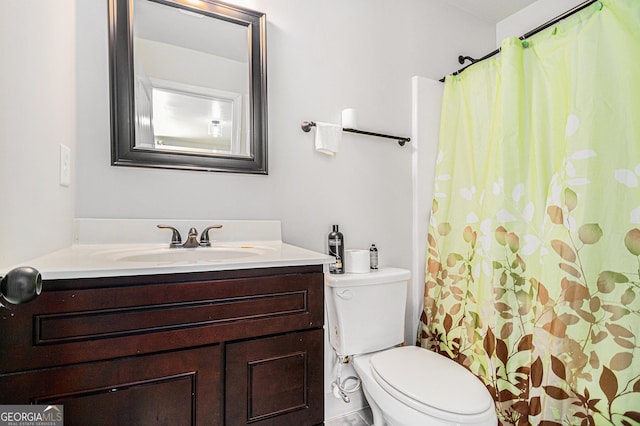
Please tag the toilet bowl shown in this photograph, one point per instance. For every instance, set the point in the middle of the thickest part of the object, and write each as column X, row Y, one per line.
column 404, row 385
column 412, row 386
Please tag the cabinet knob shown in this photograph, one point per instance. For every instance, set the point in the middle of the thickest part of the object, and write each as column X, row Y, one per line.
column 21, row 285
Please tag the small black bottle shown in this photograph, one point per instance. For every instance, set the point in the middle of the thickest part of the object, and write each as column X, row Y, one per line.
column 373, row 258
column 336, row 249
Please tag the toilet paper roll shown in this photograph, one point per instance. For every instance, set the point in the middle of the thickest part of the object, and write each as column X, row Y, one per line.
column 349, row 120
column 356, row 261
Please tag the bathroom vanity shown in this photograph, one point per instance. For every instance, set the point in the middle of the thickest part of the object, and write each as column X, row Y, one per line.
column 224, row 345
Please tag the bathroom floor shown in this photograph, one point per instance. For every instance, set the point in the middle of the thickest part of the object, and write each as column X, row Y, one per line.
column 359, row 418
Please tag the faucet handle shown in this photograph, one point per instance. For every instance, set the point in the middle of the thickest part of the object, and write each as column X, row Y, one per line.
column 176, row 240
column 204, row 237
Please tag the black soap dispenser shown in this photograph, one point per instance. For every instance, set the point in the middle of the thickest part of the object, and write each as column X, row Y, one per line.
column 336, row 249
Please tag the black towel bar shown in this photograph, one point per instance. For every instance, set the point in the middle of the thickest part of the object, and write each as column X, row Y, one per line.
column 307, row 125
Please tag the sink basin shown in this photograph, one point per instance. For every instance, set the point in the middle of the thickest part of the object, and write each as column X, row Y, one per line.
column 195, row 255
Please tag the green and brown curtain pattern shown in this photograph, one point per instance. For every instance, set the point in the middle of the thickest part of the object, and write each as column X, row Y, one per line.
column 533, row 265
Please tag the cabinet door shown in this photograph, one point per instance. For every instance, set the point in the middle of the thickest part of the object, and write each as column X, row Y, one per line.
column 175, row 388
column 275, row 380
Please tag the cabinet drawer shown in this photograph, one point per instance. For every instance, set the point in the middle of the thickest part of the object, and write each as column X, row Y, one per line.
column 95, row 319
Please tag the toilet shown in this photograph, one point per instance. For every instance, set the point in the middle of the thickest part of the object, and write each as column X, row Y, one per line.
column 404, row 385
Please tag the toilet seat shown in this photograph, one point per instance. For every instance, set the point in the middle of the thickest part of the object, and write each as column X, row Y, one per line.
column 430, row 383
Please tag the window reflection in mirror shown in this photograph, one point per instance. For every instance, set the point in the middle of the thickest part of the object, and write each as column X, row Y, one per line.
column 183, row 107
column 191, row 120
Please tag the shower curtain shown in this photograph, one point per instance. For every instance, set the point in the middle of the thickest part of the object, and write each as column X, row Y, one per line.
column 533, row 264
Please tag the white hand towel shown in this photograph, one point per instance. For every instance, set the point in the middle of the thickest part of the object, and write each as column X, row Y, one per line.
column 328, row 137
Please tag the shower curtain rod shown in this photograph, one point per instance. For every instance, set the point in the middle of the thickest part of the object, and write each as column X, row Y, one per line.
column 536, row 30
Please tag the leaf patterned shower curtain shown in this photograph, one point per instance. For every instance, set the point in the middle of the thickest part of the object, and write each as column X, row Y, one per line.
column 533, row 267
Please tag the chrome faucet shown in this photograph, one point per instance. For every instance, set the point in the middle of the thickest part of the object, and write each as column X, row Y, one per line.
column 192, row 237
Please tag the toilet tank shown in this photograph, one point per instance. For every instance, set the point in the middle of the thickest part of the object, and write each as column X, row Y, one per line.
column 366, row 312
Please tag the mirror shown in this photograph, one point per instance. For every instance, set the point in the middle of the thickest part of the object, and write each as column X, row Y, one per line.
column 188, row 85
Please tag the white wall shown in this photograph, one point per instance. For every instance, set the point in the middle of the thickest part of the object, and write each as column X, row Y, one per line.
column 427, row 104
column 531, row 17
column 37, row 114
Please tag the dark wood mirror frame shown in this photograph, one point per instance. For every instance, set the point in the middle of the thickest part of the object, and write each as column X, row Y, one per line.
column 123, row 149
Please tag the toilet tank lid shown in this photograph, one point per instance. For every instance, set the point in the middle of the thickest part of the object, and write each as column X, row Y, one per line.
column 381, row 276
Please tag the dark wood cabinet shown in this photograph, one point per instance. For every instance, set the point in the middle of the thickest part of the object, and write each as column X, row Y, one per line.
column 216, row 348
column 177, row 388
column 274, row 380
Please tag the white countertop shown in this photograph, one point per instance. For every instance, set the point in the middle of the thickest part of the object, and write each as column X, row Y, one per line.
column 126, row 247
column 106, row 260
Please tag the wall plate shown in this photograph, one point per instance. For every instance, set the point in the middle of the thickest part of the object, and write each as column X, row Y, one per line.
column 65, row 165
